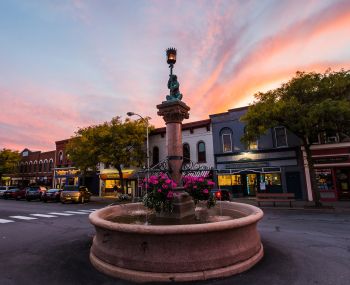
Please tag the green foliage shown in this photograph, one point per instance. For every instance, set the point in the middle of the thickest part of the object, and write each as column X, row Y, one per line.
column 9, row 160
column 116, row 143
column 307, row 105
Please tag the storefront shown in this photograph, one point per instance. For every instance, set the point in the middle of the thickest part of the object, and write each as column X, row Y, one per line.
column 332, row 169
column 247, row 173
column 66, row 176
column 110, row 182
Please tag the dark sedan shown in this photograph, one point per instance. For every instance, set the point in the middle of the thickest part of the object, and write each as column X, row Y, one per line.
column 35, row 192
column 51, row 195
column 15, row 193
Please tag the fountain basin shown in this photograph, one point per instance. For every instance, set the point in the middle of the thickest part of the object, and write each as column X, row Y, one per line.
column 167, row 253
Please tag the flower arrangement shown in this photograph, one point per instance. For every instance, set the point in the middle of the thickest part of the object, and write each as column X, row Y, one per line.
column 199, row 188
column 159, row 195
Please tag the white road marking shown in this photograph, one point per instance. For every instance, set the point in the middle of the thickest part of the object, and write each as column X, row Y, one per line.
column 76, row 212
column 23, row 218
column 60, row 214
column 43, row 216
column 88, row 211
column 3, row 221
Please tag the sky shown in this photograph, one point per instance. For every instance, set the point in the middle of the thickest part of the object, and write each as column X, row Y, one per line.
column 70, row 64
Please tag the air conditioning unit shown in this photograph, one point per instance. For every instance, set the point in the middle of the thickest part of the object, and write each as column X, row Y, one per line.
column 332, row 139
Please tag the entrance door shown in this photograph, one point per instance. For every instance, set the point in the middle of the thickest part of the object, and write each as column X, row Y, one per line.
column 250, row 185
column 293, row 184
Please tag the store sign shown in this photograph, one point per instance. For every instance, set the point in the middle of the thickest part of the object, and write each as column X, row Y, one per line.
column 67, row 172
column 331, row 159
column 247, row 165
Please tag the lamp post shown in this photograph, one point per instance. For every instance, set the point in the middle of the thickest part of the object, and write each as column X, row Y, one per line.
column 147, row 139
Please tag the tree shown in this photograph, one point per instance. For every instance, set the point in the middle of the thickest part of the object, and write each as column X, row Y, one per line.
column 9, row 160
column 116, row 143
column 82, row 151
column 308, row 105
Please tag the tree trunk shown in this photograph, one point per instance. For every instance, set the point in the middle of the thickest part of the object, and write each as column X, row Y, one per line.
column 121, row 177
column 314, row 188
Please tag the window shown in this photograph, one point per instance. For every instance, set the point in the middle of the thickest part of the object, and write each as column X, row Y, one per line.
column 155, row 155
column 201, row 152
column 45, row 165
column 226, row 139
column 271, row 178
column 50, row 165
column 60, row 157
column 281, row 137
column 253, row 145
column 30, row 167
column 186, row 153
column 34, row 166
column 40, row 166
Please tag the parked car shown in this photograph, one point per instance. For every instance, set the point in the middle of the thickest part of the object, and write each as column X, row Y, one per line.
column 78, row 194
column 221, row 194
column 5, row 188
column 35, row 192
column 15, row 193
column 51, row 195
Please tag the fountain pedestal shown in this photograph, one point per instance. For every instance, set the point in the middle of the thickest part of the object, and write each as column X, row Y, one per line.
column 173, row 113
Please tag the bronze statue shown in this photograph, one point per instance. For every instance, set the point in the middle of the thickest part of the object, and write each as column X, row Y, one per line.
column 173, row 85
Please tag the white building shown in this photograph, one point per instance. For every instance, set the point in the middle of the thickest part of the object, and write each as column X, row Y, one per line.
column 197, row 141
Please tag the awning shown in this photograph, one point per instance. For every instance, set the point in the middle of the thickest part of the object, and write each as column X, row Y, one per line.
column 127, row 173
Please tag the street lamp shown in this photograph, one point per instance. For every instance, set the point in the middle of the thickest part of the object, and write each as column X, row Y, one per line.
column 147, row 139
column 171, row 58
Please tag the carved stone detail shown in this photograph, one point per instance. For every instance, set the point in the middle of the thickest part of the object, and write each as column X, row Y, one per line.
column 173, row 111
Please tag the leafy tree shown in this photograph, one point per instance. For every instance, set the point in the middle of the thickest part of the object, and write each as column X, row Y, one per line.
column 308, row 105
column 82, row 151
column 116, row 143
column 9, row 160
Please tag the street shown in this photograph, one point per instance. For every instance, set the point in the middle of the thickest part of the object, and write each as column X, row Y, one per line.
column 48, row 243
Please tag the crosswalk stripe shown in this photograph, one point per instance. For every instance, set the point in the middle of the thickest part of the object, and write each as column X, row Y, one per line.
column 88, row 211
column 3, row 221
column 43, row 216
column 60, row 214
column 76, row 212
column 23, row 218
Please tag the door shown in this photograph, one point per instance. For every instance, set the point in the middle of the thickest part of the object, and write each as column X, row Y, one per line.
column 251, row 184
column 293, row 184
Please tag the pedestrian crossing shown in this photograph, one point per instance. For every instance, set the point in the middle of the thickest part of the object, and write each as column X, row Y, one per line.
column 34, row 216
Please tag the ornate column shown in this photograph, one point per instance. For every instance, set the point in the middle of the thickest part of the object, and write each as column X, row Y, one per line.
column 173, row 113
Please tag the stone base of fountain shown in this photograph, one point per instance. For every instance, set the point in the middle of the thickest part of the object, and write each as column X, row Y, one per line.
column 167, row 253
column 183, row 206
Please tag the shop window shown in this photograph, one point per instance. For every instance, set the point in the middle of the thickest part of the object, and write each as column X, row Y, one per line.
column 201, row 152
column 253, row 145
column 155, row 155
column 280, row 137
column 186, row 153
column 226, row 140
column 224, row 180
column 324, row 179
column 271, row 179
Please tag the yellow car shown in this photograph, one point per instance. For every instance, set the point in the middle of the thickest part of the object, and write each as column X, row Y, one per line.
column 77, row 194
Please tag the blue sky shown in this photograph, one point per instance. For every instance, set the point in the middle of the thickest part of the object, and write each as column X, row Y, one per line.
column 70, row 64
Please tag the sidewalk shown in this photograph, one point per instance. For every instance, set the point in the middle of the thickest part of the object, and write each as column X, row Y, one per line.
column 339, row 206
column 298, row 205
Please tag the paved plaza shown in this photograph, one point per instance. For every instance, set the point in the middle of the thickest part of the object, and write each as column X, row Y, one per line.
column 301, row 246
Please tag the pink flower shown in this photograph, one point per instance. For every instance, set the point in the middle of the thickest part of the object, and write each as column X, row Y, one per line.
column 195, row 187
column 205, row 191
column 200, row 179
column 168, row 181
column 159, row 190
column 164, row 186
column 173, row 184
column 170, row 195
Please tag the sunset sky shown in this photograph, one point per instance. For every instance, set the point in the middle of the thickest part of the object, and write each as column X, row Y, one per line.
column 69, row 64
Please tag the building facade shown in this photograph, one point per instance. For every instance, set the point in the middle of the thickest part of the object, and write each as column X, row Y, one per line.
column 35, row 167
column 197, row 141
column 272, row 164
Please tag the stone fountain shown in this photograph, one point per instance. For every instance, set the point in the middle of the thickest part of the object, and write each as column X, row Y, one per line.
column 139, row 252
